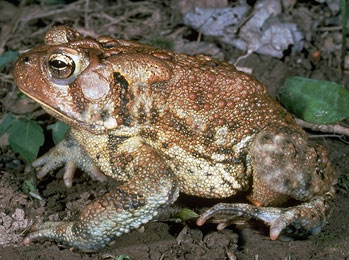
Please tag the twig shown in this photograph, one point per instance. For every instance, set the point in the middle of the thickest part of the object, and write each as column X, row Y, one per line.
column 42, row 30
column 128, row 14
column 324, row 136
column 86, row 16
column 51, row 11
column 329, row 28
column 334, row 129
column 7, row 31
column 343, row 5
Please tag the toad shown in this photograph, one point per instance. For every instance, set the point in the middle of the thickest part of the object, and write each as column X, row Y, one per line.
column 164, row 123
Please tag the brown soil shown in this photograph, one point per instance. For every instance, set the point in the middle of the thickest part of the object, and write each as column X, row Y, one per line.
column 26, row 24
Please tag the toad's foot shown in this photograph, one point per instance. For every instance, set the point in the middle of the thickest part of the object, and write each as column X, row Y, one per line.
column 69, row 153
column 151, row 187
column 299, row 221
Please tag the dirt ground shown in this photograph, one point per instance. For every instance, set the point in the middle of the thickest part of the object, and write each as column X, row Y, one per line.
column 23, row 25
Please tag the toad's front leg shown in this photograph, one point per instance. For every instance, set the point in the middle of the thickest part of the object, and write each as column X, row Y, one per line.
column 68, row 152
column 151, row 187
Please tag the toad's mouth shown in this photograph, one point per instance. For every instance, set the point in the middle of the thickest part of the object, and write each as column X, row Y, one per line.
column 54, row 112
column 94, row 126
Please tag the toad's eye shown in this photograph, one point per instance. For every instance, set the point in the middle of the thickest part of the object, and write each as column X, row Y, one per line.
column 60, row 66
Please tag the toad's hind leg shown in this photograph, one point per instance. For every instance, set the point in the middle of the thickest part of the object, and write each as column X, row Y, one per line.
column 151, row 187
column 284, row 168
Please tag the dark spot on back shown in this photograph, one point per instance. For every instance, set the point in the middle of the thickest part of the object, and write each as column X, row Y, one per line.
column 125, row 97
column 209, row 137
column 148, row 134
column 120, row 80
column 179, row 125
column 225, row 150
column 126, row 120
column 141, row 115
column 114, row 159
column 154, row 115
column 114, row 141
column 119, row 163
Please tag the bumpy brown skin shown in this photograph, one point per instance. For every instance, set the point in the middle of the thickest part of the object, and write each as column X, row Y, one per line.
column 166, row 123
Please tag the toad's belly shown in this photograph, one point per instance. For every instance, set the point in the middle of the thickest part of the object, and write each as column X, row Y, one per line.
column 205, row 177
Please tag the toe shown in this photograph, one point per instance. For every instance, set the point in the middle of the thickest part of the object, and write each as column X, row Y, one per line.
column 68, row 176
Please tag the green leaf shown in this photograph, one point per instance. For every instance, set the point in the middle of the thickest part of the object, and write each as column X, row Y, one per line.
column 26, row 137
column 30, row 188
column 8, row 57
column 6, row 123
column 186, row 214
column 59, row 130
column 21, row 95
column 315, row 101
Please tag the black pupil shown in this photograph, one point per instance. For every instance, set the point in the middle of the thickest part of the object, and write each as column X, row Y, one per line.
column 58, row 64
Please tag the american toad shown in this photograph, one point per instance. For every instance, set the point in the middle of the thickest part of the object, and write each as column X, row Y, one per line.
column 165, row 123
